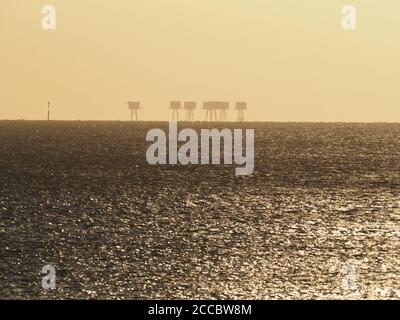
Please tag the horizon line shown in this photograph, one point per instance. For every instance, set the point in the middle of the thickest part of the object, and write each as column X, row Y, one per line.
column 201, row 121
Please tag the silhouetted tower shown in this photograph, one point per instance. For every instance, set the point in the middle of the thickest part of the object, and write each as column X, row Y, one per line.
column 48, row 111
column 189, row 106
column 241, row 107
column 175, row 106
column 223, row 107
column 134, row 106
column 211, row 110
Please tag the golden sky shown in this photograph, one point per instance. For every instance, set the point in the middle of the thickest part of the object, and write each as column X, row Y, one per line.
column 290, row 59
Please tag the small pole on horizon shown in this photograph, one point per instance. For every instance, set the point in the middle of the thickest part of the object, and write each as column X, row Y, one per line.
column 48, row 111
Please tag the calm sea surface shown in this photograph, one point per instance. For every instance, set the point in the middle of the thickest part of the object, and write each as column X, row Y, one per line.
column 320, row 217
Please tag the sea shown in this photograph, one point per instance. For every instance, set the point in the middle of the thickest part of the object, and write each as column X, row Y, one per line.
column 319, row 218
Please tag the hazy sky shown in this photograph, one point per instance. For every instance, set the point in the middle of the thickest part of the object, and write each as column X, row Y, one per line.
column 290, row 59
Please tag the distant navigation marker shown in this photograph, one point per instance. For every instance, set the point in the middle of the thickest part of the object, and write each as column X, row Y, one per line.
column 175, row 106
column 241, row 107
column 189, row 106
column 134, row 106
